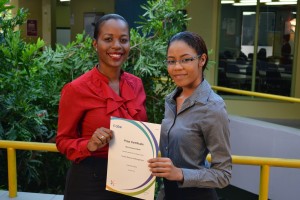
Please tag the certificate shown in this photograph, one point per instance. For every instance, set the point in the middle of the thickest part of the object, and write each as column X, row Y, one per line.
column 134, row 142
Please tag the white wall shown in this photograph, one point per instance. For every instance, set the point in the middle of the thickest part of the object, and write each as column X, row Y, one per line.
column 251, row 137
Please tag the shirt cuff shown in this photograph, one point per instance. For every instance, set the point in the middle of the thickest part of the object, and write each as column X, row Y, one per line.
column 188, row 178
column 84, row 150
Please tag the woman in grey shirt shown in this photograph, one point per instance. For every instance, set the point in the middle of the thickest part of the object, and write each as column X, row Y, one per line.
column 195, row 124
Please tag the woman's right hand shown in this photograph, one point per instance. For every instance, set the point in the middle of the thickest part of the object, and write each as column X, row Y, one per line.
column 163, row 167
column 99, row 139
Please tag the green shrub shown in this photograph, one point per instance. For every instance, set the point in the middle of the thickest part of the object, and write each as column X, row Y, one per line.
column 161, row 20
column 32, row 76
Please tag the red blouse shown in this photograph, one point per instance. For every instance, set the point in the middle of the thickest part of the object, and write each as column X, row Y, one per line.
column 87, row 103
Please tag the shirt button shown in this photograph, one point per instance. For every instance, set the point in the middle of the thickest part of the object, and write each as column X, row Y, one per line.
column 166, row 148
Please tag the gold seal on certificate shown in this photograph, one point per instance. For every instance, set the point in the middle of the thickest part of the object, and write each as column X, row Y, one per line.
column 134, row 142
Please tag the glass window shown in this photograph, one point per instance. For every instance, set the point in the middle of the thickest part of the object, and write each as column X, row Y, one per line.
column 256, row 52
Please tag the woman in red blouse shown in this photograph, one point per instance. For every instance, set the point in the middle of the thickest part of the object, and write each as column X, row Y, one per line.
column 85, row 108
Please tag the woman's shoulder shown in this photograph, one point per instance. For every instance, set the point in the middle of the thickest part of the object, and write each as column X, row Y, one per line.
column 82, row 78
column 208, row 93
column 79, row 82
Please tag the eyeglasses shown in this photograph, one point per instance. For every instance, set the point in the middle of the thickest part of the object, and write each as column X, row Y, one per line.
column 182, row 62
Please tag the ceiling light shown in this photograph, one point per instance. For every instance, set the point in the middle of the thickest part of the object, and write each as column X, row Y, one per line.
column 249, row 13
column 245, row 4
column 252, row 1
column 282, row 3
column 226, row 2
column 287, row 0
column 247, row 1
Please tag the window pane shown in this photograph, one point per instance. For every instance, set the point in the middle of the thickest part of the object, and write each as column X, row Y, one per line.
column 236, row 46
column 276, row 31
column 272, row 71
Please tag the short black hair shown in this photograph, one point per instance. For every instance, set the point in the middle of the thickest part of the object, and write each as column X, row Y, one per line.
column 105, row 18
column 192, row 39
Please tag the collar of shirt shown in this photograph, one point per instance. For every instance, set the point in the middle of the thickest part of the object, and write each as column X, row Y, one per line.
column 99, row 84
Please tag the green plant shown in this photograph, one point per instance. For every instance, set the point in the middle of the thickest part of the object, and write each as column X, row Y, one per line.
column 19, row 119
column 32, row 76
column 7, row 22
column 161, row 20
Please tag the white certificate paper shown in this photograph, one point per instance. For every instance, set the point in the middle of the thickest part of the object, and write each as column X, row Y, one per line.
column 134, row 142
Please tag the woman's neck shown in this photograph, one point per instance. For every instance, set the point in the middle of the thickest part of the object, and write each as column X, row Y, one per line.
column 189, row 90
column 113, row 74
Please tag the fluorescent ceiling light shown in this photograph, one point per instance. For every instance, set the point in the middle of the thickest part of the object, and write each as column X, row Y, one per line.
column 245, row 4
column 252, row 1
column 282, row 3
column 225, row 2
column 249, row 13
column 287, row 0
column 64, row 0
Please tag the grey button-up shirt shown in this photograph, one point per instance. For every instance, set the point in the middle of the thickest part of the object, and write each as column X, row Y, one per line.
column 199, row 128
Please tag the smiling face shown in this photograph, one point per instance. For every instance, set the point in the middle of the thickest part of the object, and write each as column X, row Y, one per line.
column 112, row 43
column 187, row 75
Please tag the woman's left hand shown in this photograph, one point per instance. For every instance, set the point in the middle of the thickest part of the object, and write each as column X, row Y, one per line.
column 99, row 139
column 163, row 167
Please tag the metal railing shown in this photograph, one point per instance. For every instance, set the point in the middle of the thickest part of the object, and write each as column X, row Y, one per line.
column 257, row 94
column 264, row 162
column 11, row 147
column 251, row 93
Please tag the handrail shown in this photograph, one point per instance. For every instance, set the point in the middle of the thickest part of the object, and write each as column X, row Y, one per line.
column 38, row 146
column 264, row 162
column 253, row 160
column 250, row 93
column 257, row 94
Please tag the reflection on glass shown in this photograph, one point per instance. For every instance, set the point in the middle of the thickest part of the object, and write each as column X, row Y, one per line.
column 272, row 71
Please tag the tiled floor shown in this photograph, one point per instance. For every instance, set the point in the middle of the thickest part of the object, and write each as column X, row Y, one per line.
column 30, row 196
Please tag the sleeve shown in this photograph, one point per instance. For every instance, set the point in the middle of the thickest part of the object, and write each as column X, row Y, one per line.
column 216, row 135
column 68, row 140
